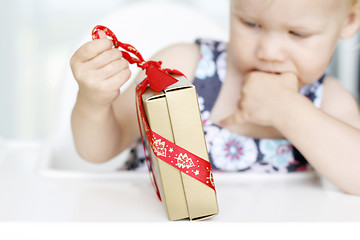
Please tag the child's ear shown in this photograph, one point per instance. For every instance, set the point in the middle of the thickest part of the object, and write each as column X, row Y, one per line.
column 352, row 22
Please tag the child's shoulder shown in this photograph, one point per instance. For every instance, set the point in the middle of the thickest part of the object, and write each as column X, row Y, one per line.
column 339, row 102
column 181, row 56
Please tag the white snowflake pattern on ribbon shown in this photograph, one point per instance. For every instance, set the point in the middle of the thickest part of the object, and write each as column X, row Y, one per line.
column 183, row 161
column 211, row 178
column 159, row 148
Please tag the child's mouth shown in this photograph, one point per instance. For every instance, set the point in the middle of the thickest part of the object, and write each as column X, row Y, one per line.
column 268, row 71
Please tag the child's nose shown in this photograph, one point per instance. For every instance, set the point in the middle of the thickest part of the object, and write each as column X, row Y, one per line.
column 271, row 48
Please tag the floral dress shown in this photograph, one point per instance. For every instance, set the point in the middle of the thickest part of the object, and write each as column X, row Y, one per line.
column 229, row 151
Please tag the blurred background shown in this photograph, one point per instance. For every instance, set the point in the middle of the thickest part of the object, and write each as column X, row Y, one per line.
column 39, row 37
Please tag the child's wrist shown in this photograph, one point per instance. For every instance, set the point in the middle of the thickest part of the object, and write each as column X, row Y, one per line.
column 92, row 110
column 295, row 106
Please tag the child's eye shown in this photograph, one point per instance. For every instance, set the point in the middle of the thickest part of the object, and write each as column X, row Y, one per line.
column 251, row 24
column 298, row 34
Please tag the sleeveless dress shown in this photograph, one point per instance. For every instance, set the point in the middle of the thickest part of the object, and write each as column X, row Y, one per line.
column 229, row 151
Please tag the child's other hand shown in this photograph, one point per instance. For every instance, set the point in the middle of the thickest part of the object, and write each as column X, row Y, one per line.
column 99, row 70
column 263, row 97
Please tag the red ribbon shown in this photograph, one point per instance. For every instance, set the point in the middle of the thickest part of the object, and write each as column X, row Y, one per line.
column 159, row 79
column 152, row 68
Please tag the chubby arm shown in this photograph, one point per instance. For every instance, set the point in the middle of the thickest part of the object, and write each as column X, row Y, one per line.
column 100, row 71
column 329, row 138
column 104, row 122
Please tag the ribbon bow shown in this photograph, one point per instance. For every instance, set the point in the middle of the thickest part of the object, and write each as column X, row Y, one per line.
column 157, row 78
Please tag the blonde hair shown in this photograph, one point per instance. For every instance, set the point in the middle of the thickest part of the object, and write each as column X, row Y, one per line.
column 268, row 2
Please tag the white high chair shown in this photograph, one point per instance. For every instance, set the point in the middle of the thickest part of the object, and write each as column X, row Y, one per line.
column 149, row 26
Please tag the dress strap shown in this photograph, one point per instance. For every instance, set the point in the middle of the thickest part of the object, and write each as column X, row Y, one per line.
column 210, row 72
column 314, row 91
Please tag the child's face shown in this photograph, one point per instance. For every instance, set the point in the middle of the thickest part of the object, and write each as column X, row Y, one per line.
column 279, row 36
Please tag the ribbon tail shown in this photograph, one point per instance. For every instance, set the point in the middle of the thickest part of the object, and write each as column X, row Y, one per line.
column 140, row 116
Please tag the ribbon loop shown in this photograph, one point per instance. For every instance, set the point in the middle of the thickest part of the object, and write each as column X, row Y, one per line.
column 159, row 78
column 117, row 44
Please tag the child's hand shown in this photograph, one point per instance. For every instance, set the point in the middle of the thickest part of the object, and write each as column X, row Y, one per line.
column 263, row 97
column 99, row 70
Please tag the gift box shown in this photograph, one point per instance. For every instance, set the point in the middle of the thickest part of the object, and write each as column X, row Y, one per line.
column 169, row 117
column 174, row 114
